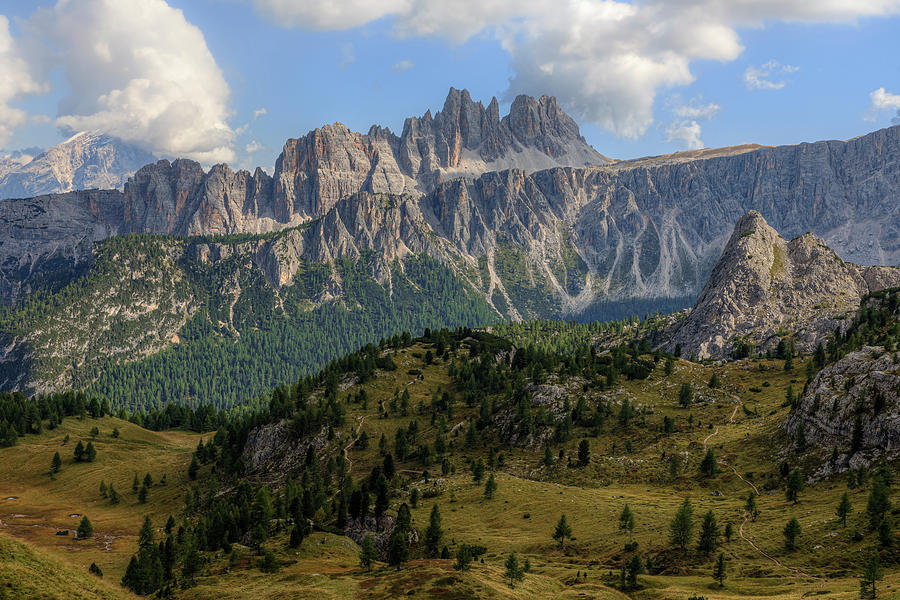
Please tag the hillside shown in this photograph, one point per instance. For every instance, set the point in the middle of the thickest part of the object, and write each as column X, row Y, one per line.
column 443, row 404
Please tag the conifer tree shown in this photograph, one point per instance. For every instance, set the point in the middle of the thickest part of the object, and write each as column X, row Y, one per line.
column 490, row 487
column 368, row 553
column 681, row 528
column 89, row 452
column 626, row 520
column 685, row 395
column 562, row 532
column 55, row 464
column 709, row 534
column 750, row 506
column 85, row 529
column 433, row 533
column 794, row 486
column 719, row 570
column 514, row 572
column 708, row 466
column 844, row 509
column 871, row 574
column 791, row 532
column 79, row 451
column 584, row 453
column 142, row 494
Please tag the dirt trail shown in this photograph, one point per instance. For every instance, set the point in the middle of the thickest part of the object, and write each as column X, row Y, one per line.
column 795, row 570
column 353, row 441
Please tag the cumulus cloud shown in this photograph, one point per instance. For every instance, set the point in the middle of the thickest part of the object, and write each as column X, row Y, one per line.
column 686, row 130
column 880, row 100
column 141, row 72
column 762, row 77
column 253, row 146
column 606, row 60
column 403, row 65
column 695, row 109
column 260, row 112
column 17, row 80
column 685, row 133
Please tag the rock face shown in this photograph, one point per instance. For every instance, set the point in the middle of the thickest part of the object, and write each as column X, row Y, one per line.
column 508, row 202
column 861, row 389
column 764, row 286
column 85, row 161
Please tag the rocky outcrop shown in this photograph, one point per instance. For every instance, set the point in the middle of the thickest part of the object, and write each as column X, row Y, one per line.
column 764, row 287
column 861, row 390
column 488, row 195
column 85, row 161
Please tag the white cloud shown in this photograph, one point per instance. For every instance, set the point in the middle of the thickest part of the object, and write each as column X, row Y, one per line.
column 17, row 79
column 761, row 77
column 606, row 60
column 260, row 112
column 686, row 133
column 403, row 65
column 696, row 110
column 138, row 70
column 880, row 100
column 254, row 146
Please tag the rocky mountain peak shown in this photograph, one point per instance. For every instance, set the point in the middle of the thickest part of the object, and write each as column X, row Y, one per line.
column 87, row 160
column 764, row 287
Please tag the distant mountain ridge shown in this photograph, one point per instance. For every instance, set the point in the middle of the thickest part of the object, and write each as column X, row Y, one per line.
column 86, row 160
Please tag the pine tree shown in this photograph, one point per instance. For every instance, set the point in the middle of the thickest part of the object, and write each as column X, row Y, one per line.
column 85, row 529
column 79, row 451
column 433, row 533
column 714, row 381
column 113, row 495
column 879, row 503
column 633, row 568
column 142, row 494
column 562, row 531
column 55, row 464
column 584, row 453
column 794, row 486
column 548, row 456
column 709, row 534
column 490, row 487
column 681, row 528
column 626, row 520
column 463, row 558
column 719, row 570
column 192, row 469
column 750, row 506
column 296, row 537
column 872, row 572
column 104, row 492
column 135, row 484
column 148, row 480
column 685, row 395
column 791, row 532
column 844, row 509
column 514, row 572
column 708, row 466
column 368, row 553
column 398, row 551
column 90, row 454
column 729, row 532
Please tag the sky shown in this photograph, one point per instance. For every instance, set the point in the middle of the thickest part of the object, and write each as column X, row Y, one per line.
column 231, row 80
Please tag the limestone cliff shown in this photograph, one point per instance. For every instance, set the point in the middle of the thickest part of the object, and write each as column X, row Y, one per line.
column 764, row 287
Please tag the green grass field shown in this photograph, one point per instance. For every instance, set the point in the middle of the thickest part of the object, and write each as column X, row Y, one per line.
column 743, row 427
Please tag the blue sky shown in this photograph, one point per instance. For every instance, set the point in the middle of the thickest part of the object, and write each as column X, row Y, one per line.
column 684, row 81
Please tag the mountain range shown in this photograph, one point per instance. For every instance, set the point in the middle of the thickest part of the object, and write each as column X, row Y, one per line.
column 466, row 216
